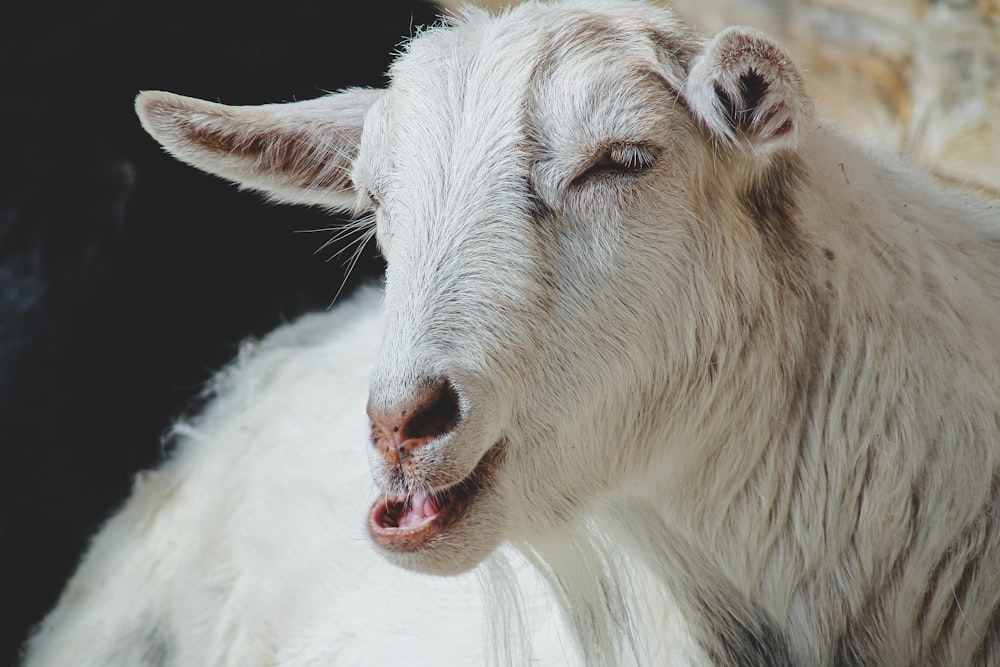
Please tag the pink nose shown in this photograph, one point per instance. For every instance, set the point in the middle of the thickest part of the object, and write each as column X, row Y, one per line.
column 428, row 413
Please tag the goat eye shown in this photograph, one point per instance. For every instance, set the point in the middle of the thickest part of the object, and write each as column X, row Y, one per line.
column 371, row 195
column 620, row 158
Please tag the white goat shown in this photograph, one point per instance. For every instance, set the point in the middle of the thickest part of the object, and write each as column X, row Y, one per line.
column 644, row 319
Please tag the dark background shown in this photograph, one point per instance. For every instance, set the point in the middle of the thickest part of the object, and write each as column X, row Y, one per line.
column 127, row 278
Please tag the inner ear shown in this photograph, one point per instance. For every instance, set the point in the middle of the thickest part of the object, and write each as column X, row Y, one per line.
column 299, row 152
column 752, row 90
column 746, row 91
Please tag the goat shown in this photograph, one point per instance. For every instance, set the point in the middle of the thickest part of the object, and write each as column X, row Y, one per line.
column 707, row 364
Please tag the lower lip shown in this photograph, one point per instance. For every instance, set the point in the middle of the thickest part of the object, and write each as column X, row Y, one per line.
column 422, row 534
column 451, row 504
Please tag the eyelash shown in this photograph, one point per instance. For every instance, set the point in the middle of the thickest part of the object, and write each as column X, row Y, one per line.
column 374, row 199
column 624, row 159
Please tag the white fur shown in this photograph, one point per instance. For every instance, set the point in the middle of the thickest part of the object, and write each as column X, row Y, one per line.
column 247, row 548
column 724, row 358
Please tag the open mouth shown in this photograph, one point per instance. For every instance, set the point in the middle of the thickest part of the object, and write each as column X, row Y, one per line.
column 412, row 522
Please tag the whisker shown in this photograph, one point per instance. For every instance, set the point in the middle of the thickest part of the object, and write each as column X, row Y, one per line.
column 361, row 243
column 318, row 229
column 361, row 227
column 361, row 238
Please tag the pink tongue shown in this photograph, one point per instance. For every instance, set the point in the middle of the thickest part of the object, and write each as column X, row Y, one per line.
column 420, row 511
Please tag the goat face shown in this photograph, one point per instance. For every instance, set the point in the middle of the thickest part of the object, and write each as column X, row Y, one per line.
column 528, row 215
column 554, row 301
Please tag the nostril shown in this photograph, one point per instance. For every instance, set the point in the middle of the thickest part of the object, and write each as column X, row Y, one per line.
column 431, row 411
column 436, row 413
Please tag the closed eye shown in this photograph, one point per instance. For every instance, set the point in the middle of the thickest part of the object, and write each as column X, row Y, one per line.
column 618, row 159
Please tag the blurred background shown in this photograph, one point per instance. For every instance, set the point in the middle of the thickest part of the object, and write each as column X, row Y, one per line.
column 127, row 279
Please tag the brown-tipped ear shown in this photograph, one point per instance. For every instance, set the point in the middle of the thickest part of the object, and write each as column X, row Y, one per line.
column 747, row 91
column 300, row 152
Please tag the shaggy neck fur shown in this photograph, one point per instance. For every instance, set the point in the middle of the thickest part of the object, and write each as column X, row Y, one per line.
column 804, row 514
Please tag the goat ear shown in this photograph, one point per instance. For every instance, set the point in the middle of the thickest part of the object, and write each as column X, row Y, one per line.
column 745, row 89
column 299, row 152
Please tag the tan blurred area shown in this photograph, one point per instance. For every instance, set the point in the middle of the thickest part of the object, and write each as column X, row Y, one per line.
column 920, row 77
